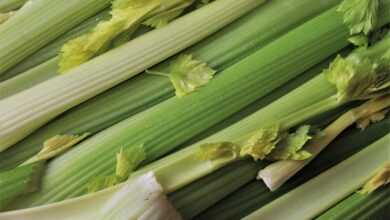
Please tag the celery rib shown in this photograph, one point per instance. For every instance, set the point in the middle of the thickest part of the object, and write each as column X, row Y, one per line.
column 338, row 182
column 361, row 207
column 51, row 49
column 220, row 51
column 39, row 22
column 19, row 181
column 160, row 133
column 110, row 69
column 9, row 5
column 255, row 194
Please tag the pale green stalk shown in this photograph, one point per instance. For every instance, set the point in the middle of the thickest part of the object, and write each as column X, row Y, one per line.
column 38, row 23
column 360, row 206
column 9, row 5
column 53, row 97
column 161, row 133
column 28, row 79
column 307, row 201
column 51, row 49
column 254, row 195
column 220, row 51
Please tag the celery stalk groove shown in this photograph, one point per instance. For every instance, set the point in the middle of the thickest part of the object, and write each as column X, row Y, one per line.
column 220, row 51
column 37, row 23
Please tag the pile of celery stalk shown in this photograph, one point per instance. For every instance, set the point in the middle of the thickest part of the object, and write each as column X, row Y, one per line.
column 194, row 109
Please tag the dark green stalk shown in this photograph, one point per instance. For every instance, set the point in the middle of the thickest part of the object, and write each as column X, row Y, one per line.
column 19, row 181
column 255, row 194
column 133, row 96
column 162, row 128
column 198, row 196
column 361, row 207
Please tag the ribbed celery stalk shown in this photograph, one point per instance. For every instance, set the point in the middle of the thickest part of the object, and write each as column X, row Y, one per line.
column 20, row 181
column 40, row 73
column 52, row 49
column 9, row 5
column 53, row 97
column 159, row 132
column 255, row 194
column 358, row 207
column 306, row 201
column 29, row 78
column 200, row 195
column 37, row 23
column 220, row 51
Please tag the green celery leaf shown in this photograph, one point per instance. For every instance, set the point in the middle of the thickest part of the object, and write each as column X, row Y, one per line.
column 162, row 19
column 261, row 143
column 187, row 74
column 361, row 16
column 126, row 162
column 290, row 147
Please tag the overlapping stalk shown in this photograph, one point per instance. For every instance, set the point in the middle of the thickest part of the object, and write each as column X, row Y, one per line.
column 219, row 51
column 339, row 181
column 160, row 133
column 88, row 80
column 255, row 194
column 40, row 22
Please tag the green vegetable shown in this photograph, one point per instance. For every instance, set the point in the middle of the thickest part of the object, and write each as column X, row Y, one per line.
column 187, row 74
column 29, row 78
column 361, row 16
column 142, row 198
column 20, row 181
column 9, row 5
column 110, row 69
column 51, row 50
column 358, row 206
column 335, row 184
column 125, row 15
column 255, row 195
column 41, row 21
column 6, row 16
column 363, row 74
column 160, row 132
column 220, row 51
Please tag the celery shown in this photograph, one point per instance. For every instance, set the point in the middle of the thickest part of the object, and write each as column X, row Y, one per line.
column 192, row 114
column 200, row 195
column 51, row 49
column 358, row 206
column 220, row 50
column 9, row 5
column 41, row 21
column 28, row 79
column 255, row 195
column 55, row 96
column 141, row 198
column 20, row 181
column 336, row 183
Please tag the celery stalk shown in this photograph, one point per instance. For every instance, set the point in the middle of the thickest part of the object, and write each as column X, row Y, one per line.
column 39, row 22
column 20, row 181
column 220, row 51
column 28, row 79
column 255, row 195
column 161, row 132
column 9, row 5
column 200, row 195
column 307, row 201
column 51, row 49
column 358, row 206
column 55, row 96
